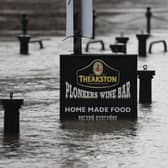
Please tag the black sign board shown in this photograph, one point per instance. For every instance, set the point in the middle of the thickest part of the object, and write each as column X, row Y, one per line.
column 98, row 87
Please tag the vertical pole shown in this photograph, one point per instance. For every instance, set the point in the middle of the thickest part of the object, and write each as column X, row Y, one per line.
column 94, row 24
column 77, row 27
column 148, row 18
column 24, row 22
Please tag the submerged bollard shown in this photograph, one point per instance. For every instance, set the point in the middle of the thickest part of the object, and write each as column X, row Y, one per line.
column 122, row 40
column 24, row 44
column 142, row 40
column 11, row 117
column 145, row 91
column 118, row 48
column 24, row 38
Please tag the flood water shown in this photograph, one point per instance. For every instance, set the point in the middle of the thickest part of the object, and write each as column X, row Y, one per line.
column 46, row 142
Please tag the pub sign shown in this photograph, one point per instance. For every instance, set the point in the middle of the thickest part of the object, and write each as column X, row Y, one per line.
column 98, row 87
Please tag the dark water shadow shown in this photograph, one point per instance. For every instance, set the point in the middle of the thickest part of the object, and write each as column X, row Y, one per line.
column 11, row 140
column 85, row 138
column 146, row 108
column 101, row 126
column 9, row 146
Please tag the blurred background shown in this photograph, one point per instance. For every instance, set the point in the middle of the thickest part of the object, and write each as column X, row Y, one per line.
column 47, row 17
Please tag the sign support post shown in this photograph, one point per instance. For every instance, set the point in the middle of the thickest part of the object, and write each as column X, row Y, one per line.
column 77, row 27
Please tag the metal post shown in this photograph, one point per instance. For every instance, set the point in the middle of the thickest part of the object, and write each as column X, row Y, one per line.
column 148, row 18
column 24, row 22
column 94, row 24
column 77, row 27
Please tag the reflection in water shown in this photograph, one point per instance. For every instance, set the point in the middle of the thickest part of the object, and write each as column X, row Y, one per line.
column 101, row 126
column 145, row 108
column 86, row 143
column 44, row 142
column 12, row 140
column 74, row 164
column 10, row 145
column 145, row 111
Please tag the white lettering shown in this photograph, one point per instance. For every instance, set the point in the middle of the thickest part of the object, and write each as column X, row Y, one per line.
column 122, row 92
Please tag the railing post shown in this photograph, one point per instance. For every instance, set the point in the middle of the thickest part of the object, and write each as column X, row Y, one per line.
column 148, row 19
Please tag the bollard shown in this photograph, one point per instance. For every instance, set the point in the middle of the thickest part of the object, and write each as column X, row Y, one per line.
column 123, row 40
column 11, row 117
column 24, row 38
column 118, row 48
column 24, row 44
column 145, row 91
column 142, row 40
column 148, row 15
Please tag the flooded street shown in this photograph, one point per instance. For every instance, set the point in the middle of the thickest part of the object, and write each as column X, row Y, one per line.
column 45, row 142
